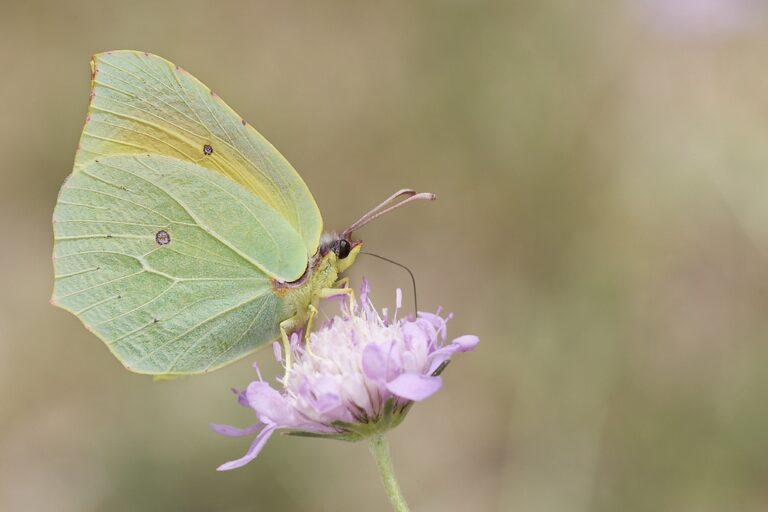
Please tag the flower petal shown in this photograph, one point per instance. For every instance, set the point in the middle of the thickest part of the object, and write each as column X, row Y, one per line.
column 466, row 343
column 461, row 344
column 374, row 362
column 252, row 452
column 269, row 404
column 357, row 394
column 416, row 334
column 228, row 430
column 414, row 386
column 325, row 395
column 437, row 322
column 365, row 290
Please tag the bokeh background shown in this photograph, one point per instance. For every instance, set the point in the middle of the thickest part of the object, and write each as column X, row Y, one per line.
column 602, row 225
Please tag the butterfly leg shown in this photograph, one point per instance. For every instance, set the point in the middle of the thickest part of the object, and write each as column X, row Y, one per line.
column 311, row 318
column 327, row 293
column 285, row 326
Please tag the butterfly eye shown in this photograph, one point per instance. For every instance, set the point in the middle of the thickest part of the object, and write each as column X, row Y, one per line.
column 342, row 248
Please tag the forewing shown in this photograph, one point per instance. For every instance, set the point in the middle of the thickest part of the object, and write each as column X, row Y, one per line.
column 141, row 103
column 169, row 263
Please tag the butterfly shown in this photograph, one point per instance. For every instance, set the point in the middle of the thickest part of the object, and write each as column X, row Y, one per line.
column 183, row 239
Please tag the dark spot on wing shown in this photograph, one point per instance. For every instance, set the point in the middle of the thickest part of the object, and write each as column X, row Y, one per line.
column 243, row 121
column 155, row 321
column 109, row 236
column 162, row 237
column 207, row 149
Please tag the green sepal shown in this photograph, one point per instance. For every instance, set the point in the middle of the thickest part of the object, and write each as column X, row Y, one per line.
column 315, row 435
column 351, row 432
column 387, row 415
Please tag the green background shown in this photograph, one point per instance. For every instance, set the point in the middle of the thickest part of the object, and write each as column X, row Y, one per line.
column 602, row 225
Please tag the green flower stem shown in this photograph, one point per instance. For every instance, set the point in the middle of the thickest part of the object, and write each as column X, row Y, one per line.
column 380, row 451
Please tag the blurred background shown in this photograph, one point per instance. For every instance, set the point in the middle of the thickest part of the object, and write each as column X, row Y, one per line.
column 602, row 225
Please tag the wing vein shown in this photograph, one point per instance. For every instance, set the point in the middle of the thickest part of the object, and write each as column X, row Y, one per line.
column 94, row 287
column 199, row 324
column 202, row 225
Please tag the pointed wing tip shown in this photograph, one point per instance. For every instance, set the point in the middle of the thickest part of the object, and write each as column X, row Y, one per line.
column 99, row 57
column 96, row 59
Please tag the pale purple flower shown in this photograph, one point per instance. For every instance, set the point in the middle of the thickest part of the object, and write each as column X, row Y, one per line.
column 685, row 18
column 358, row 375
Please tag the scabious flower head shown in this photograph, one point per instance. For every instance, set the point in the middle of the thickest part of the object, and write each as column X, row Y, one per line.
column 357, row 375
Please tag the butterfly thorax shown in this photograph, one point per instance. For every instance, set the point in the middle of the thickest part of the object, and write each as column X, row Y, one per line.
column 334, row 256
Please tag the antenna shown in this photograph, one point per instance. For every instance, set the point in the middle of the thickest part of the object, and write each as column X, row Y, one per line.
column 413, row 279
column 386, row 206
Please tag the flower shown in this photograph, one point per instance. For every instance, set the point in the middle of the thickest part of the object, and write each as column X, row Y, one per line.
column 357, row 375
column 685, row 18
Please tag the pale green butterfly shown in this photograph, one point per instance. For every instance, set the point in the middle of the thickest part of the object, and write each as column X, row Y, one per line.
column 183, row 239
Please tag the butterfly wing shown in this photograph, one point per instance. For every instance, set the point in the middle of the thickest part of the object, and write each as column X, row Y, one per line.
column 169, row 263
column 143, row 104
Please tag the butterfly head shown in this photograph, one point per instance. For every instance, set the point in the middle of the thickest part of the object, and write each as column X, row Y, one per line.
column 346, row 252
column 343, row 247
